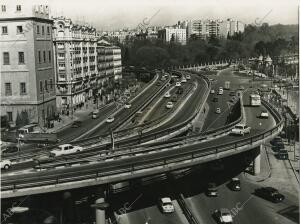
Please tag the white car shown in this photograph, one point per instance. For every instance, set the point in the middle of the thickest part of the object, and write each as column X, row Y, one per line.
column 218, row 110
column 169, row 105
column 223, row 216
column 110, row 120
column 166, row 205
column 188, row 77
column 183, row 80
column 5, row 164
column 178, row 84
column 167, row 95
column 264, row 114
column 240, row 129
column 127, row 105
column 212, row 91
column 65, row 149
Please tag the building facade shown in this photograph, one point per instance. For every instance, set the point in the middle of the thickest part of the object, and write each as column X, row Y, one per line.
column 109, row 66
column 75, row 52
column 177, row 35
column 27, row 69
column 204, row 29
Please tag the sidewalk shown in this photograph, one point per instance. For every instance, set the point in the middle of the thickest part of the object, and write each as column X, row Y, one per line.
column 293, row 99
column 277, row 173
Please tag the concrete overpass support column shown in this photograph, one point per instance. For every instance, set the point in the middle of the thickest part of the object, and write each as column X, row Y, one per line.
column 100, row 213
column 257, row 161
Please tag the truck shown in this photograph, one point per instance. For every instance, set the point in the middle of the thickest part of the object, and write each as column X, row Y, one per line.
column 227, row 85
column 46, row 138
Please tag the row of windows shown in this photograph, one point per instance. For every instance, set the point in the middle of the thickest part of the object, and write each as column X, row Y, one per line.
column 18, row 8
column 8, row 88
column 21, row 57
column 6, row 58
column 5, row 30
column 20, row 30
column 44, row 56
column 44, row 86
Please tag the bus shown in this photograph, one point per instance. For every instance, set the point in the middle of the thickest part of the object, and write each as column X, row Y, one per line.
column 255, row 100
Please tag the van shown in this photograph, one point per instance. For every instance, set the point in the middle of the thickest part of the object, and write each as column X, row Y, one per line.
column 95, row 114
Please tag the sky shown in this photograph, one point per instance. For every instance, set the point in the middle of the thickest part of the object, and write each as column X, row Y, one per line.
column 117, row 14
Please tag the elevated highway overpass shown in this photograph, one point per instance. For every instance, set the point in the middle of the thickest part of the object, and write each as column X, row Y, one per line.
column 146, row 163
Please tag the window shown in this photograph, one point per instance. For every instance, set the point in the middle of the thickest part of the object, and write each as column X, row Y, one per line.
column 18, row 8
column 23, row 88
column 10, row 117
column 8, row 91
column 51, row 84
column 49, row 54
column 38, row 29
column 41, row 86
column 44, row 56
column 21, row 58
column 39, row 57
column 48, row 30
column 4, row 30
column 19, row 29
column 43, row 30
column 5, row 58
column 46, row 85
column 3, row 8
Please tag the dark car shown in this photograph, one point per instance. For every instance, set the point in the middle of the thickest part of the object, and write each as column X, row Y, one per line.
column 174, row 99
column 215, row 99
column 212, row 190
column 270, row 194
column 276, row 140
column 235, row 184
column 76, row 124
column 10, row 149
column 158, row 83
column 282, row 154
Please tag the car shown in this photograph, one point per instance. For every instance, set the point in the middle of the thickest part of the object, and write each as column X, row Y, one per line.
column 158, row 83
column 163, row 78
column 223, row 216
column 218, row 110
column 65, row 149
column 110, row 119
column 178, row 84
column 127, row 105
column 166, row 205
column 212, row 190
column 232, row 93
column 167, row 95
column 183, row 80
column 241, row 88
column 220, row 92
column 276, row 140
column 174, row 98
column 5, row 164
column 282, row 154
column 169, row 105
column 278, row 146
column 10, row 149
column 188, row 77
column 264, row 114
column 212, row 91
column 270, row 194
column 76, row 124
column 240, row 129
column 235, row 184
column 215, row 99
column 95, row 114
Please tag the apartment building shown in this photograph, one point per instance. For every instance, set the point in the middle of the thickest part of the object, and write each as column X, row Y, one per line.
column 27, row 69
column 205, row 29
column 177, row 35
column 109, row 65
column 75, row 52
